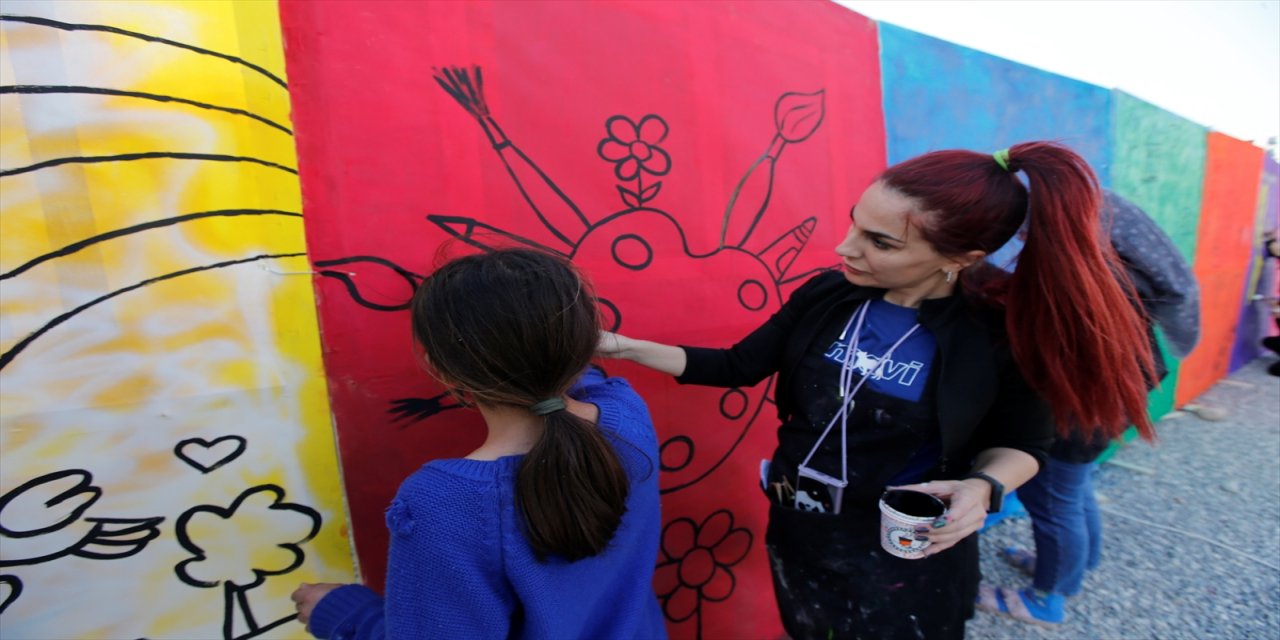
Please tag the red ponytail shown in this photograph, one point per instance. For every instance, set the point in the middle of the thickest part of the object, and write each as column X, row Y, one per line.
column 1074, row 326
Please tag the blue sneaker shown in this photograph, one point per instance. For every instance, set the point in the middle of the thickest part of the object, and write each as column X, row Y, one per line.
column 1027, row 605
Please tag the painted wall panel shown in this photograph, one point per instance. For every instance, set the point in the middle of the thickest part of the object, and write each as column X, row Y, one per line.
column 168, row 459
column 621, row 134
column 1259, row 293
column 939, row 95
column 1233, row 169
column 1159, row 166
column 163, row 409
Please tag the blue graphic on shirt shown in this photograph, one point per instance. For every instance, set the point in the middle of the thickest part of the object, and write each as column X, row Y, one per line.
column 904, row 375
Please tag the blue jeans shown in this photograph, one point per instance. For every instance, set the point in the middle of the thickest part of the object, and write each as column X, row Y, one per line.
column 1065, row 521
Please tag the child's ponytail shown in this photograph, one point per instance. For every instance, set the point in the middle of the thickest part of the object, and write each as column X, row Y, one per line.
column 571, row 488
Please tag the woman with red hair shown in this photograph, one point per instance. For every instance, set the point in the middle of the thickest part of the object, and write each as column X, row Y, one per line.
column 944, row 375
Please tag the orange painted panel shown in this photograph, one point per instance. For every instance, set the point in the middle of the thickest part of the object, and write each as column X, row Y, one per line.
column 1233, row 169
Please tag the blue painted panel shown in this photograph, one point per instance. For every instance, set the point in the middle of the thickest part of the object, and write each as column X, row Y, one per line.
column 939, row 95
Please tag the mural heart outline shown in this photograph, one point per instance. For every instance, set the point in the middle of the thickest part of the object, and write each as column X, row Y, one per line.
column 636, row 260
column 208, row 455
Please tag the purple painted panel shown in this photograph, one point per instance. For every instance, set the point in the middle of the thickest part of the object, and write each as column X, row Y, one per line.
column 1260, row 294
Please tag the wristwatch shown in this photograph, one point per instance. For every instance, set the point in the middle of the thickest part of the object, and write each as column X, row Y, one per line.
column 997, row 490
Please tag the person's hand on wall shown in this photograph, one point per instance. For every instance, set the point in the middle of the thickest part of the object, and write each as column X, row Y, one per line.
column 657, row 356
column 307, row 595
column 611, row 345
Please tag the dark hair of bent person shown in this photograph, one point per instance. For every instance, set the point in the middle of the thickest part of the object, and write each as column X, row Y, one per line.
column 516, row 327
column 1073, row 330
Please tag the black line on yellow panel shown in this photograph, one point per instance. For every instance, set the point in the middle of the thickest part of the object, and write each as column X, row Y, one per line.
column 153, row 224
column 69, row 26
column 149, row 155
column 31, row 89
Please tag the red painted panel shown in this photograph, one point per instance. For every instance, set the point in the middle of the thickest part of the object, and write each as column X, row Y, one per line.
column 1233, row 169
column 764, row 114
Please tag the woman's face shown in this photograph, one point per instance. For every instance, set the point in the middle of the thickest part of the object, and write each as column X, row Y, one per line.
column 883, row 249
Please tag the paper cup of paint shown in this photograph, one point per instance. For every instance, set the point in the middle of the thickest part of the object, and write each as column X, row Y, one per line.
column 901, row 511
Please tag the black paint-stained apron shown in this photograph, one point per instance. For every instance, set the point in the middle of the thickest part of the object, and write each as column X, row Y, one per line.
column 831, row 577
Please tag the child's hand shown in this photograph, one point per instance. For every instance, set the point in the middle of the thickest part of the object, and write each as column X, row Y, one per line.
column 307, row 595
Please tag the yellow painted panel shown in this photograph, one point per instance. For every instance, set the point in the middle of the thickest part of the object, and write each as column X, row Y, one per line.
column 159, row 355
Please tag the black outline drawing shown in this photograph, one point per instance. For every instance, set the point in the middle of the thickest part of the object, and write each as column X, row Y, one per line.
column 106, row 539
column 33, row 89
column 794, row 121
column 208, row 445
column 13, row 352
column 407, row 411
column 146, row 155
column 348, row 279
column 65, row 497
column 677, row 557
column 15, row 590
column 640, row 154
column 558, row 213
column 69, row 26
column 235, row 595
column 144, row 226
column 101, row 538
column 684, row 441
column 797, row 117
column 634, row 149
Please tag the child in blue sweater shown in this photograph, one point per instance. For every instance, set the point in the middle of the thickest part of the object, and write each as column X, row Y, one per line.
column 550, row 529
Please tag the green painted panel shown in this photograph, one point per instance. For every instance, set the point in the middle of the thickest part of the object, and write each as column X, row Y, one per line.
column 1158, row 164
column 1160, row 401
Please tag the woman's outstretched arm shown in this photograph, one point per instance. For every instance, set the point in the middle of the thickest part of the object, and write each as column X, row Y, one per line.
column 666, row 358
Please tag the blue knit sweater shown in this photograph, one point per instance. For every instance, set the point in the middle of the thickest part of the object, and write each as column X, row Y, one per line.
column 460, row 566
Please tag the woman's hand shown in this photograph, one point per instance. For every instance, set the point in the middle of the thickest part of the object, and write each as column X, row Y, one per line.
column 307, row 595
column 968, row 500
column 611, row 345
column 659, row 357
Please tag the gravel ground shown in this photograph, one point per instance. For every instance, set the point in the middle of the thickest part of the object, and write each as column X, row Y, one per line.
column 1204, row 481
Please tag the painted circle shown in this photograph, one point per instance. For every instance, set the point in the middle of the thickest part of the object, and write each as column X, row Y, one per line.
column 610, row 316
column 733, row 403
column 753, row 295
column 632, row 252
column 675, row 454
column 697, row 567
column 640, row 150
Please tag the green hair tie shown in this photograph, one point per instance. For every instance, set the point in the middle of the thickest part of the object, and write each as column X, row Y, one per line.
column 550, row 405
column 1002, row 158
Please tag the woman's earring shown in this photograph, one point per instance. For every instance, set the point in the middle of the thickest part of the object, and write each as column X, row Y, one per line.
column 950, row 276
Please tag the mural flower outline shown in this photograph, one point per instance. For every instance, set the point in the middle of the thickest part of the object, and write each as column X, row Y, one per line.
column 698, row 565
column 633, row 149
